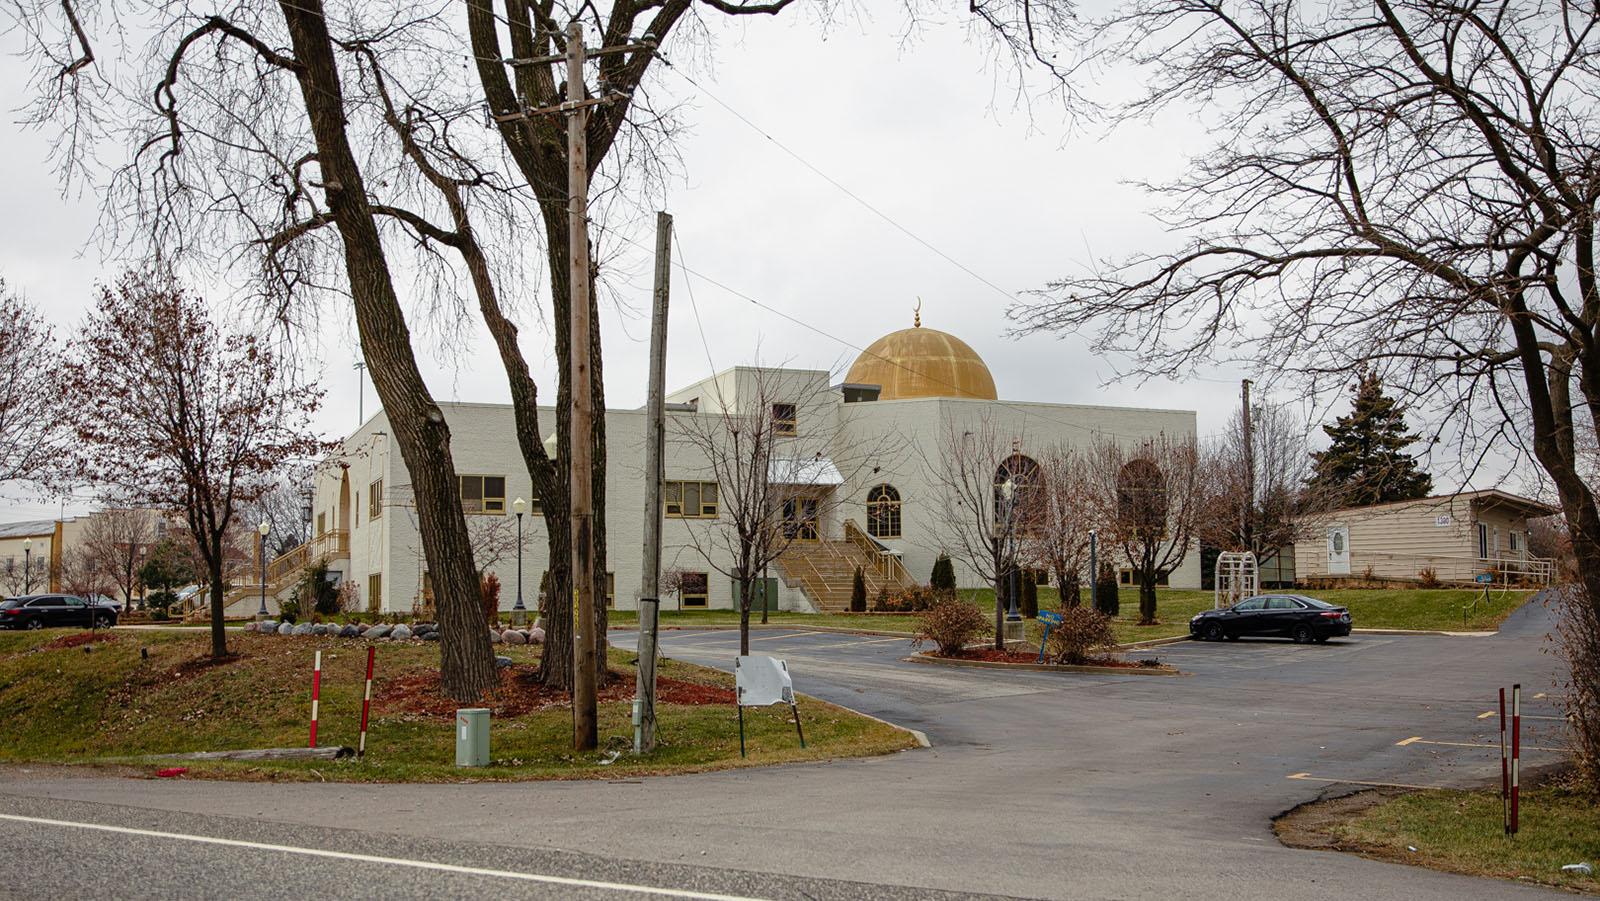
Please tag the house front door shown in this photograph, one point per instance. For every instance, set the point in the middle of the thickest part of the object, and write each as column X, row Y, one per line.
column 800, row 519
column 1339, row 551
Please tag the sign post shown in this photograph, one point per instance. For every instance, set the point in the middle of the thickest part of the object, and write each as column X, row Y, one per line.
column 1050, row 619
column 761, row 681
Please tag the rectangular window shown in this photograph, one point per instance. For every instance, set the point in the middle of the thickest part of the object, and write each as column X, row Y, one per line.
column 689, row 500
column 375, row 499
column 322, row 523
column 375, row 592
column 1515, row 538
column 611, row 591
column 355, row 509
column 784, row 421
column 482, row 494
column 1483, row 541
column 693, row 590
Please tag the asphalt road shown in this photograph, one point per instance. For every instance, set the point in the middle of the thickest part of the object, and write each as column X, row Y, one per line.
column 1037, row 785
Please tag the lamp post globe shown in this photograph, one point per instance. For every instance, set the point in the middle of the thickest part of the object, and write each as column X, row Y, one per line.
column 27, row 566
column 1008, row 492
column 262, row 530
column 519, row 506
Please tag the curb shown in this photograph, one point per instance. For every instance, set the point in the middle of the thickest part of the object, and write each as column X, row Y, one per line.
column 1153, row 642
column 755, row 627
column 1044, row 667
column 1424, row 632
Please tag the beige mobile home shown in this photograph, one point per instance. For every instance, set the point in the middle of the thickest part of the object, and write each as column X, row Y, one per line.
column 1458, row 537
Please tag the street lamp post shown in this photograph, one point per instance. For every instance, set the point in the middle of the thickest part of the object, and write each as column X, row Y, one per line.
column 1008, row 491
column 263, row 529
column 27, row 566
column 520, row 610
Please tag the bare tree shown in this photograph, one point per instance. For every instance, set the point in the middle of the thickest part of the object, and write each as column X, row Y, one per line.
column 116, row 540
column 22, row 574
column 968, row 469
column 1149, row 499
column 1260, row 500
column 177, row 415
column 285, row 508
column 31, row 422
column 1059, row 542
column 775, row 453
column 85, row 575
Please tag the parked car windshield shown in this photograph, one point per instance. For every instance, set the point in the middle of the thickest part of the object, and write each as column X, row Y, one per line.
column 1320, row 605
column 9, row 603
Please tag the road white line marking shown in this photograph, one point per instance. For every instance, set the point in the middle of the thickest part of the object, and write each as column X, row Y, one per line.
column 1539, row 695
column 851, row 644
column 1486, row 714
column 393, row 861
column 784, row 636
column 1469, row 744
column 1310, row 778
column 1408, row 741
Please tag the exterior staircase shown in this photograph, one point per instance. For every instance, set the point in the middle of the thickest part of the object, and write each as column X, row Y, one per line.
column 825, row 570
column 244, row 597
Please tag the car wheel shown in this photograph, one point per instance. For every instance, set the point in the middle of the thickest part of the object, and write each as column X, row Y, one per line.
column 1213, row 632
column 1301, row 634
column 102, row 622
column 35, row 624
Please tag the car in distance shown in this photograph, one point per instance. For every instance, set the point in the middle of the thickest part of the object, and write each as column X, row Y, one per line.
column 45, row 611
column 1288, row 615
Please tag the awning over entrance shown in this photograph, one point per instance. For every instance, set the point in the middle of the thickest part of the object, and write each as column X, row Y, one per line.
column 819, row 471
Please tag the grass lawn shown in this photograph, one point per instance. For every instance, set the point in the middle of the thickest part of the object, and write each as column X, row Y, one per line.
column 1411, row 608
column 1460, row 831
column 62, row 705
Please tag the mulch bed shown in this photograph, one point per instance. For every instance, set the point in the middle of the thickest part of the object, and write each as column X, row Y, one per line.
column 990, row 655
column 79, row 639
column 520, row 692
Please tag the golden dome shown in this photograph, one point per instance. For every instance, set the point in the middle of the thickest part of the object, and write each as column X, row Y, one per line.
column 923, row 362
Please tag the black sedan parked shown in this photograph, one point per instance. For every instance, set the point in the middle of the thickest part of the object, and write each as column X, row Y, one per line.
column 1289, row 615
column 43, row 611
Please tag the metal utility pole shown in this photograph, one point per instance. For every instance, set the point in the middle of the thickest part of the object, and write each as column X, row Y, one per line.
column 1248, row 530
column 585, row 735
column 654, row 444
column 361, row 391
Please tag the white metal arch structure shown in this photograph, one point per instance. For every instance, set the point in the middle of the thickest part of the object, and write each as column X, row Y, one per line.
column 1236, row 578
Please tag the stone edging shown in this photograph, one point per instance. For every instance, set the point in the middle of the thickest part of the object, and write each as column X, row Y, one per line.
column 1044, row 667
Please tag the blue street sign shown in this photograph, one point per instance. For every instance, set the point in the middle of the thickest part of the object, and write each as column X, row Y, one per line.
column 1049, row 618
column 1485, row 578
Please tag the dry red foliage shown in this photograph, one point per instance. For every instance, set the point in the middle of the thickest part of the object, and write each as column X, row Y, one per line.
column 79, row 639
column 991, row 655
column 520, row 692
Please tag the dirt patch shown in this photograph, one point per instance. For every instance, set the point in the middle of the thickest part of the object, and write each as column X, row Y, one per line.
column 520, row 692
column 200, row 664
column 79, row 639
column 1310, row 825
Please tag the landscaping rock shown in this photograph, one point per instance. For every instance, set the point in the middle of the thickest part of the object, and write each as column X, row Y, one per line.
column 430, row 636
column 400, row 633
column 378, row 631
column 267, row 625
column 350, row 631
column 319, row 629
column 536, row 636
column 249, row 627
column 512, row 636
column 285, row 629
column 494, row 637
column 303, row 629
column 502, row 662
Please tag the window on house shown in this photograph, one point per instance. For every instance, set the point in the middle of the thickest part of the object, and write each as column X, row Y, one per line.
column 483, row 494
column 375, row 592
column 322, row 523
column 356, row 508
column 375, row 499
column 1483, row 541
column 693, row 590
column 611, row 590
column 883, row 512
column 689, row 500
column 1128, row 577
column 784, row 421
column 1516, row 541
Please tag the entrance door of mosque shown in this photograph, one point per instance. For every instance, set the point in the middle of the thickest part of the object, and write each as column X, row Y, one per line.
column 800, row 519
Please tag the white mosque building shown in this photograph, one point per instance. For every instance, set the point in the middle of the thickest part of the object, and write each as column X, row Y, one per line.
column 883, row 510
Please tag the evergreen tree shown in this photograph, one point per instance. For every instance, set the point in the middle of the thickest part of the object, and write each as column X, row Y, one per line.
column 944, row 575
column 1366, row 462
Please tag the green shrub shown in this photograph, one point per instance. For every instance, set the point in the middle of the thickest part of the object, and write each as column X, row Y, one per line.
column 289, row 611
column 1105, row 591
column 951, row 624
column 858, row 593
column 944, row 575
column 1082, row 630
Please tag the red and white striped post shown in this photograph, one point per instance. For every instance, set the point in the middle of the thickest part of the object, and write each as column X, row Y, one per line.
column 366, row 705
column 1505, row 770
column 1516, row 752
column 316, row 695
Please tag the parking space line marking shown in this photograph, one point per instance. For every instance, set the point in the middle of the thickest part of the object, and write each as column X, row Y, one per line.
column 1539, row 695
column 1310, row 778
column 1486, row 714
column 1473, row 744
column 786, row 635
column 851, row 644
column 391, row 861
column 1408, row 741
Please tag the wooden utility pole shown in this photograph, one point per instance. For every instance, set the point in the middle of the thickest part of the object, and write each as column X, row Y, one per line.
column 654, row 445
column 1248, row 530
column 585, row 729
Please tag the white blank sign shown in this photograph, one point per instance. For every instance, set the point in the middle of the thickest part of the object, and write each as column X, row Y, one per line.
column 762, row 681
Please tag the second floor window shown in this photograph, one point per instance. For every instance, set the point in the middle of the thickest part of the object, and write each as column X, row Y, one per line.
column 883, row 512
column 375, row 500
column 784, row 421
column 690, row 500
column 483, row 494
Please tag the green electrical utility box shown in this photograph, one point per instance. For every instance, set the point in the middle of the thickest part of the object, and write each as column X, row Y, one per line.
column 472, row 737
column 765, row 594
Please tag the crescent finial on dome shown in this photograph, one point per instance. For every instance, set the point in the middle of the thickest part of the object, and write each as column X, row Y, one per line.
column 916, row 315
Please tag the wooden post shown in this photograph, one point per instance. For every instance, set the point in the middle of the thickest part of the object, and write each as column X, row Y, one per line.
column 585, row 734
column 1249, row 524
column 655, row 438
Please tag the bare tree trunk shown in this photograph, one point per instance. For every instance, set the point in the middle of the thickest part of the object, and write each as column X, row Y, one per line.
column 1068, row 588
column 219, row 636
column 420, row 431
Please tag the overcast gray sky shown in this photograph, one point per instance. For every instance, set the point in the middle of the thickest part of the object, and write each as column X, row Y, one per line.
column 921, row 129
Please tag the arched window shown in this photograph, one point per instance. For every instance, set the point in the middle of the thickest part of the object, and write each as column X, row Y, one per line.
column 1022, row 513
column 1142, row 499
column 883, row 512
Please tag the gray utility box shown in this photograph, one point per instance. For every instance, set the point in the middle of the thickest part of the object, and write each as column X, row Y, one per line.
column 472, row 737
